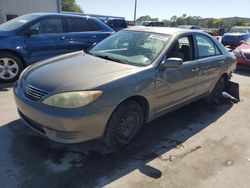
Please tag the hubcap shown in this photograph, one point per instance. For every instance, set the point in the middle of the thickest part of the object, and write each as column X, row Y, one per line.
column 8, row 68
column 127, row 127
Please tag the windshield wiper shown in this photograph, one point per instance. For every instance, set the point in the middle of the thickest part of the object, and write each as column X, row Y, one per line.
column 109, row 58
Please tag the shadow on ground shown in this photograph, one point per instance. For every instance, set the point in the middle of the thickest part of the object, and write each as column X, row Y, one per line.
column 6, row 87
column 28, row 160
column 242, row 72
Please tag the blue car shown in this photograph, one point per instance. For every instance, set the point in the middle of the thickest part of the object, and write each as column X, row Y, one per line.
column 236, row 36
column 34, row 37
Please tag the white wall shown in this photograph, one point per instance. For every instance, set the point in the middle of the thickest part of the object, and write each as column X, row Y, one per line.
column 20, row 7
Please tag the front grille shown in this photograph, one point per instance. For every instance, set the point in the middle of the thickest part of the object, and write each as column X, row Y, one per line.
column 247, row 56
column 34, row 93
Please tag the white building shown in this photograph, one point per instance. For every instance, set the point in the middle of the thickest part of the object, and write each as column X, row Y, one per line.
column 12, row 8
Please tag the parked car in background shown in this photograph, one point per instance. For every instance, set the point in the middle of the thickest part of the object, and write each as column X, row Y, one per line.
column 153, row 24
column 242, row 53
column 236, row 36
column 116, row 24
column 196, row 27
column 34, row 37
column 190, row 27
column 131, row 77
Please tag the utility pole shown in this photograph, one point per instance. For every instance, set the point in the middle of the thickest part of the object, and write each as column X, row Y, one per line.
column 135, row 11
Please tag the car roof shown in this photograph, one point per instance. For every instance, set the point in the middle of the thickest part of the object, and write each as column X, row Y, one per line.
column 44, row 14
column 160, row 30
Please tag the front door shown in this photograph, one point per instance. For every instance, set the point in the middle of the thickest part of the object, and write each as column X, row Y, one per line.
column 176, row 85
column 49, row 42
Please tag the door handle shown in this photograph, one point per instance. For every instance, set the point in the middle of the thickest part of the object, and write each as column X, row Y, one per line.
column 195, row 69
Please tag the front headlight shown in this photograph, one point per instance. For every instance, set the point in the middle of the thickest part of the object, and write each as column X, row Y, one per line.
column 74, row 99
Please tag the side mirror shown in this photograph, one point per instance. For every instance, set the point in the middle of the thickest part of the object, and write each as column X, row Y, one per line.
column 172, row 63
column 30, row 32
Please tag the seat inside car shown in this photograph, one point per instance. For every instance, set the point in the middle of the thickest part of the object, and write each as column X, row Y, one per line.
column 185, row 50
column 176, row 52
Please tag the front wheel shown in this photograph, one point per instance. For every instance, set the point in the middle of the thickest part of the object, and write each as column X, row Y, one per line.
column 124, row 124
column 10, row 67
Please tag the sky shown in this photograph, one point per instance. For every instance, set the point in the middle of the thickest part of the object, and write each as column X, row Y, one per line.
column 165, row 9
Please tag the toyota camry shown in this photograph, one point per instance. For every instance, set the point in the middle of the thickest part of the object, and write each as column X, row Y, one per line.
column 125, row 81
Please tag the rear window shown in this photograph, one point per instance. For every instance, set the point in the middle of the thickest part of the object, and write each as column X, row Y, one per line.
column 239, row 30
column 82, row 25
column 206, row 48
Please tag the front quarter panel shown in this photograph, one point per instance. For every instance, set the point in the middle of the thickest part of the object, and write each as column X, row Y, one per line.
column 16, row 44
column 141, row 84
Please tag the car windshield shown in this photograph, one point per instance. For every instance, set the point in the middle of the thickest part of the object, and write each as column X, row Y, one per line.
column 239, row 30
column 17, row 22
column 131, row 47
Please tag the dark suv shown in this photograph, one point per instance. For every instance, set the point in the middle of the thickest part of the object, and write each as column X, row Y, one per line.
column 34, row 37
column 116, row 24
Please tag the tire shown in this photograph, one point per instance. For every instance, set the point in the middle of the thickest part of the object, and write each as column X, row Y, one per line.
column 10, row 67
column 124, row 124
column 216, row 95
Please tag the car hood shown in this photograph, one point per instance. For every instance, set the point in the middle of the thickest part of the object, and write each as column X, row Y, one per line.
column 75, row 71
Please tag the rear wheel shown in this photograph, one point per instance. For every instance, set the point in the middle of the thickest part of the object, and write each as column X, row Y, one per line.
column 10, row 67
column 124, row 125
column 216, row 94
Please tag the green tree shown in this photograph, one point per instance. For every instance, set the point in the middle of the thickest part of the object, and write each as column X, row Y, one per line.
column 146, row 18
column 210, row 23
column 70, row 6
column 166, row 22
column 240, row 23
column 173, row 18
column 219, row 23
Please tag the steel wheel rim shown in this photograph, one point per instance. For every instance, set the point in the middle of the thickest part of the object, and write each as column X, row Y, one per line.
column 9, row 68
column 127, row 127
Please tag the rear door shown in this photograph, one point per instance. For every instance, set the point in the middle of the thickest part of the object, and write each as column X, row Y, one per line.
column 176, row 85
column 82, row 33
column 211, row 63
column 50, row 40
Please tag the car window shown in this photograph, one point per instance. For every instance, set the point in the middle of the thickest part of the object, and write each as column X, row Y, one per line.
column 239, row 30
column 206, row 47
column 49, row 26
column 113, row 23
column 82, row 25
column 123, row 23
column 93, row 25
column 182, row 48
column 18, row 22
